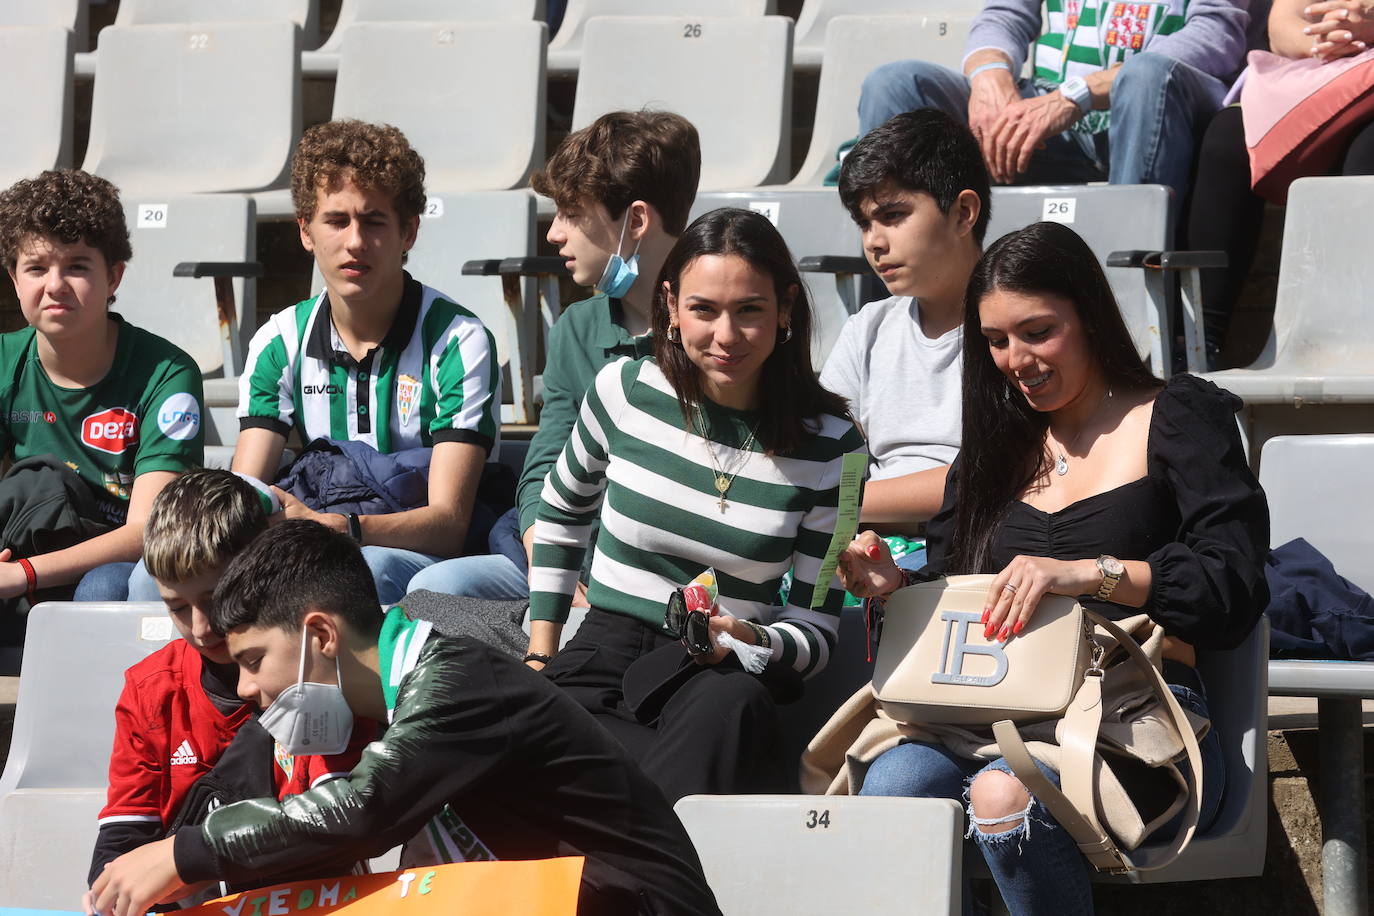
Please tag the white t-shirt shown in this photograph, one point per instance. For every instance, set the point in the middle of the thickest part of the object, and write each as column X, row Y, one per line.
column 904, row 388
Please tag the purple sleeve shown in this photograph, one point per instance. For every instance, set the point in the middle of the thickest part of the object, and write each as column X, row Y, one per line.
column 1008, row 26
column 1212, row 38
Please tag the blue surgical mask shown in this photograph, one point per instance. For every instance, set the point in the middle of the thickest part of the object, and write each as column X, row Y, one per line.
column 620, row 274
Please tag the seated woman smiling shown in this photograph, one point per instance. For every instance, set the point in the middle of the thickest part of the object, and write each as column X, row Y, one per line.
column 721, row 451
column 1080, row 474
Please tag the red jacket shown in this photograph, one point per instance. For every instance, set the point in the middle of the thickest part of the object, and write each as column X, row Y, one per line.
column 168, row 734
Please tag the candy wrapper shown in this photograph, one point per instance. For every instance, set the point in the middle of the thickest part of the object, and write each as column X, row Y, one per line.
column 700, row 595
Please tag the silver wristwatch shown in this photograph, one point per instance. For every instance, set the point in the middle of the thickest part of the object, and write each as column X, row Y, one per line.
column 1112, row 570
column 1076, row 90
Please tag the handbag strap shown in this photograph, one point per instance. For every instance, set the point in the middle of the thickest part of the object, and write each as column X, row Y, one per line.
column 1075, row 807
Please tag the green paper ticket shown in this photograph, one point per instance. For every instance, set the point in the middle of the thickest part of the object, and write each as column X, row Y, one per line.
column 846, row 522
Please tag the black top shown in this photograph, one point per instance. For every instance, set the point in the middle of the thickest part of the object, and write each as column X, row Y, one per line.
column 1198, row 517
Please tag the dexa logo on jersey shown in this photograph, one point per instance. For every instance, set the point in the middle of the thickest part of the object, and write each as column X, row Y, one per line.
column 184, row 754
column 179, row 416
column 111, row 431
column 407, row 397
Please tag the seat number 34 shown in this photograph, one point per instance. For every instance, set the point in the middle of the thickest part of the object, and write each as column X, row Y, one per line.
column 815, row 819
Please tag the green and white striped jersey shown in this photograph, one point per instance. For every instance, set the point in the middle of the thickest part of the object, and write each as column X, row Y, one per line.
column 631, row 458
column 1087, row 36
column 434, row 377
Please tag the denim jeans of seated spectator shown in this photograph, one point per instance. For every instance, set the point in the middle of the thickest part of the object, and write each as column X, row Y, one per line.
column 490, row 575
column 106, row 582
column 912, row 561
column 1036, row 864
column 142, row 585
column 393, row 568
column 1159, row 107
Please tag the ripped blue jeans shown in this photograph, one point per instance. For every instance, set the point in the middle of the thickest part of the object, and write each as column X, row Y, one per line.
column 1036, row 864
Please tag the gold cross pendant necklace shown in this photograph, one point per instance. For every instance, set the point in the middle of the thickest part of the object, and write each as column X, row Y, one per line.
column 723, row 480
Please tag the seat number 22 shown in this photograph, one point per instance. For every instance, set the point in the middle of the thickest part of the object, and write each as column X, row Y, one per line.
column 816, row 819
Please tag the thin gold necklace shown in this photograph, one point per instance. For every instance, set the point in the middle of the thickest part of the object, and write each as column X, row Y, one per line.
column 723, row 480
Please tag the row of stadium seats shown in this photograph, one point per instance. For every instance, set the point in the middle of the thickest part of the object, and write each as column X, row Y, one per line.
column 210, row 108
column 565, row 50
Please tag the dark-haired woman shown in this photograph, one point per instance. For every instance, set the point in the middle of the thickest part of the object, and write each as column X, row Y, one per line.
column 1080, row 474
column 721, row 451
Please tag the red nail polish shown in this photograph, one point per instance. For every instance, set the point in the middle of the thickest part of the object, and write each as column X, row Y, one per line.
column 1020, row 625
column 987, row 631
column 987, row 612
column 873, row 552
column 1004, row 635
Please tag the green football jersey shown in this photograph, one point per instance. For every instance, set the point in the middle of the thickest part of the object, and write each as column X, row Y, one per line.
column 434, row 377
column 144, row 415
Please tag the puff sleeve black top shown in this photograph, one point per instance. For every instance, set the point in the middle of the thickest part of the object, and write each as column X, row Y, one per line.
column 1198, row 517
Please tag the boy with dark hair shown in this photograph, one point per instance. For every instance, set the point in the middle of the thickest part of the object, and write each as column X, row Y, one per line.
column 179, row 711
column 918, row 190
column 116, row 405
column 483, row 759
column 624, row 186
column 376, row 357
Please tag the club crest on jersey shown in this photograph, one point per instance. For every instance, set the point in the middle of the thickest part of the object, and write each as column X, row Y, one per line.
column 111, row 431
column 284, row 760
column 407, row 397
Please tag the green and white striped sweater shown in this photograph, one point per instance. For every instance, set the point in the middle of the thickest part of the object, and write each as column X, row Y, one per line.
column 434, row 378
column 654, row 483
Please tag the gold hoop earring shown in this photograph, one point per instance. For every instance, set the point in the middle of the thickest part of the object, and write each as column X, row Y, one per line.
column 786, row 334
column 672, row 334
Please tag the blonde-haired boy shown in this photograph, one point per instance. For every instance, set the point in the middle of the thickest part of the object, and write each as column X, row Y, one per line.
column 180, row 710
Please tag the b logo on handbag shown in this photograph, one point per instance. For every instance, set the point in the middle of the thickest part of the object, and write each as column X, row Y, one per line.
column 934, row 665
column 952, row 662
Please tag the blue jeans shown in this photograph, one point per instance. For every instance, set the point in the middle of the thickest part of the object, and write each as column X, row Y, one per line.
column 142, row 585
column 107, row 582
column 393, row 568
column 1158, row 104
column 1036, row 864
column 490, row 575
column 912, row 561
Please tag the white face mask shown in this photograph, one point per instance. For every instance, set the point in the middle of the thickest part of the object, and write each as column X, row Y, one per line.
column 310, row 718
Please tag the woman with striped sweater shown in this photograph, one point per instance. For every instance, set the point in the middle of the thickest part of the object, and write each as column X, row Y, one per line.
column 721, row 451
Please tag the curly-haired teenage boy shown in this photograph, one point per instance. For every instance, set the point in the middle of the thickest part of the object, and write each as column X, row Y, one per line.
column 376, row 357
column 119, row 406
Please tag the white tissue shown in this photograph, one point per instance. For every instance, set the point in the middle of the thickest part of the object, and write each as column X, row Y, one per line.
column 753, row 658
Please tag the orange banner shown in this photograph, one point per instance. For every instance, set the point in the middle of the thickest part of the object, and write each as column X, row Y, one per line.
column 543, row 887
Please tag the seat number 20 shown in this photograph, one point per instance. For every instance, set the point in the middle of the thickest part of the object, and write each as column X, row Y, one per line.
column 816, row 819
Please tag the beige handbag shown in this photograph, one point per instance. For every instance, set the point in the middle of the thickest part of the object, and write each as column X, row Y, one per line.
column 934, row 666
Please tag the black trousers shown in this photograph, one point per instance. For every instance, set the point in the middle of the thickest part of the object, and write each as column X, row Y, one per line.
column 708, row 729
column 1224, row 214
